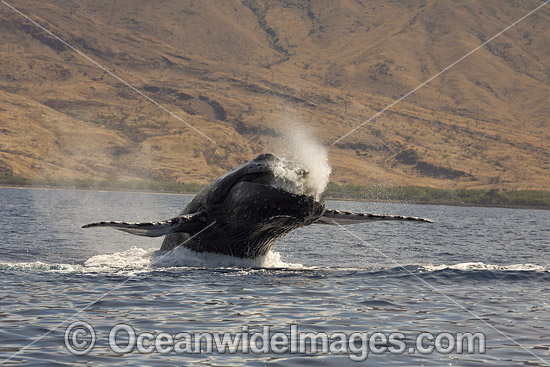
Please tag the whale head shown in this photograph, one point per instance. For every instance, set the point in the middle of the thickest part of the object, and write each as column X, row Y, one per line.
column 265, row 188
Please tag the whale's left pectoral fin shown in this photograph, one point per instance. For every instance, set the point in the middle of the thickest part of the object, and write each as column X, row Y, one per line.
column 331, row 216
column 189, row 223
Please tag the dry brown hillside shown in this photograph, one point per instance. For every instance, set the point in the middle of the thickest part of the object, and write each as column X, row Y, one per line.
column 237, row 70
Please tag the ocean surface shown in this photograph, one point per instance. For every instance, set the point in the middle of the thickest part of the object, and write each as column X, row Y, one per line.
column 475, row 270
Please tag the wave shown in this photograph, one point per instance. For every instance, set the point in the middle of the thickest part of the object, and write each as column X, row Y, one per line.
column 38, row 266
column 475, row 271
column 482, row 266
column 138, row 260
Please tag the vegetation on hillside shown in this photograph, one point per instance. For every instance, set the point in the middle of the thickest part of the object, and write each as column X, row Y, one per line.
column 406, row 194
column 430, row 195
column 114, row 185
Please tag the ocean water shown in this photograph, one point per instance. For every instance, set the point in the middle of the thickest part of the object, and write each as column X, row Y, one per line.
column 475, row 270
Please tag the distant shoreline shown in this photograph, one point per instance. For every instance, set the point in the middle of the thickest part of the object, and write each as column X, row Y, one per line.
column 492, row 198
column 514, row 199
column 73, row 188
column 443, row 203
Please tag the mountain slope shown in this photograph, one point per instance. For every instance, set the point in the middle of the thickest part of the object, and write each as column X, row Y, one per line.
column 238, row 71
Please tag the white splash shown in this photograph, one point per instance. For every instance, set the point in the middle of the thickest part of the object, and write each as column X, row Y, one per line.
column 135, row 258
column 139, row 260
column 184, row 257
column 483, row 266
column 298, row 144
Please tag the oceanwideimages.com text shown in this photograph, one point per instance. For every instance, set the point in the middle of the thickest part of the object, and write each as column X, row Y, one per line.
column 81, row 338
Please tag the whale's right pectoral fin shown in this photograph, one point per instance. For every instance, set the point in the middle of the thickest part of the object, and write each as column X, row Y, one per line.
column 189, row 223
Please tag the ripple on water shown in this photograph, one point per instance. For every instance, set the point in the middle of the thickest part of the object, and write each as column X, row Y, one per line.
column 318, row 278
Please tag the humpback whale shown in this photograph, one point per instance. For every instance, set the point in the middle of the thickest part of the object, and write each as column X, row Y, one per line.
column 245, row 211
